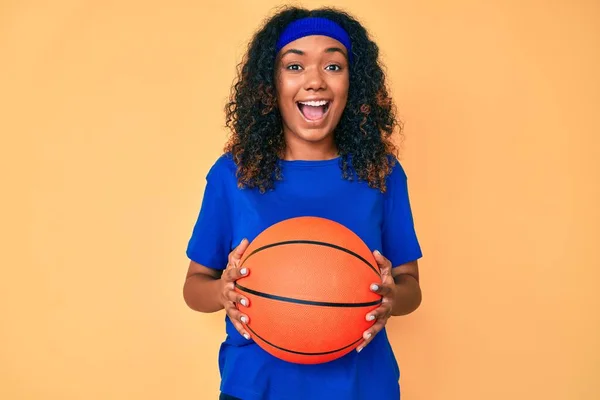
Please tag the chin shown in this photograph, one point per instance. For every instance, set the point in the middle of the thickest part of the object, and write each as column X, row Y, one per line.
column 314, row 136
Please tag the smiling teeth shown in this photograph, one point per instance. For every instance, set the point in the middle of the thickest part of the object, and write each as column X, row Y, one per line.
column 314, row 103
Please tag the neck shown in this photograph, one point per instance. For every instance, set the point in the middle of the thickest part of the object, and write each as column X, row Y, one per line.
column 310, row 151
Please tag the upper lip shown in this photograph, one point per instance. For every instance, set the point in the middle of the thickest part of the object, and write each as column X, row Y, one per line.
column 316, row 99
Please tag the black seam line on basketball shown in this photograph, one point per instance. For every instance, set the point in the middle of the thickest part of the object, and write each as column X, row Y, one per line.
column 301, row 352
column 305, row 302
column 313, row 242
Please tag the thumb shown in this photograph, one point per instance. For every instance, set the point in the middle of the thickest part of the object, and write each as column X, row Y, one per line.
column 241, row 248
column 379, row 257
column 382, row 262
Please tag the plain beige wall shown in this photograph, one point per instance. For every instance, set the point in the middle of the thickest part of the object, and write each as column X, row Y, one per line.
column 111, row 114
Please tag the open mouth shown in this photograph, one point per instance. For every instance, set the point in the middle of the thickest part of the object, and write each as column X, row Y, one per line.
column 313, row 110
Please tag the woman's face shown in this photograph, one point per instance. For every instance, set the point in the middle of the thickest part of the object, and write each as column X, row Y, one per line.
column 312, row 82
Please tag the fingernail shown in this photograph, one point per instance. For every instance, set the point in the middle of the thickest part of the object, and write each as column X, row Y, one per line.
column 244, row 319
column 374, row 287
column 242, row 241
column 244, row 302
column 247, row 336
column 377, row 252
column 368, row 335
column 359, row 349
column 244, row 271
column 370, row 317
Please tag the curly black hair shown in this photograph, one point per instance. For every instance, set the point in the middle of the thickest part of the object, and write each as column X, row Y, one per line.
column 366, row 126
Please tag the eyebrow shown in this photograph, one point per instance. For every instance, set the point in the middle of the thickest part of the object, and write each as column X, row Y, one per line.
column 328, row 50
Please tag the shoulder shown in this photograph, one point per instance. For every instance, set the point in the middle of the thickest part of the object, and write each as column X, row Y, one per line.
column 222, row 169
column 397, row 174
column 221, row 177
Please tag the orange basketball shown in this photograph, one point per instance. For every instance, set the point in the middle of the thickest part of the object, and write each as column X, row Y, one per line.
column 308, row 288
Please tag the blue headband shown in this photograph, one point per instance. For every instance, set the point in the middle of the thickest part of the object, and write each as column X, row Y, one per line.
column 314, row 26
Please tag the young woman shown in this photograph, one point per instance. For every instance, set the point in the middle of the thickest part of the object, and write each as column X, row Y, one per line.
column 312, row 125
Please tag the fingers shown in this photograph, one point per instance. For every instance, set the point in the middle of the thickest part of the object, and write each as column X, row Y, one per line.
column 387, row 284
column 234, row 273
column 238, row 319
column 380, row 313
column 370, row 333
column 383, row 288
column 235, row 297
column 231, row 298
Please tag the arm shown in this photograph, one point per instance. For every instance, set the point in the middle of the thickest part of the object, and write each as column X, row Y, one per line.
column 407, row 296
column 202, row 288
column 209, row 290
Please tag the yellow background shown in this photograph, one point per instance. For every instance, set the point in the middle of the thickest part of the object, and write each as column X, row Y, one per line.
column 112, row 112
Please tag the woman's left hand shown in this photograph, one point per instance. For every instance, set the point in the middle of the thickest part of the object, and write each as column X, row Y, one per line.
column 387, row 289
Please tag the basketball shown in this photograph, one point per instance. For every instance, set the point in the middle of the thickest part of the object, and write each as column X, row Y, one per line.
column 309, row 289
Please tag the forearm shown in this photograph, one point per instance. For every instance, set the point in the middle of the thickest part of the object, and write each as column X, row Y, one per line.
column 408, row 295
column 202, row 293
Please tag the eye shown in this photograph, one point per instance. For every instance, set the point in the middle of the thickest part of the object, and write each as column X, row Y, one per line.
column 333, row 67
column 293, row 67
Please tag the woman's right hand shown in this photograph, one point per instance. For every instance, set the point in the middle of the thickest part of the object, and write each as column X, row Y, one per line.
column 229, row 297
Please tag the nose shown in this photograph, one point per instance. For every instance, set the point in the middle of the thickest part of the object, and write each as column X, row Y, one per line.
column 314, row 79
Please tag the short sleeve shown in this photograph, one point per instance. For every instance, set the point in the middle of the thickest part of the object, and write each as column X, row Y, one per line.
column 211, row 238
column 399, row 240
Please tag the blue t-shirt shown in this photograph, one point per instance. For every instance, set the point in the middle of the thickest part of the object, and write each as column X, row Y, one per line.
column 309, row 188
